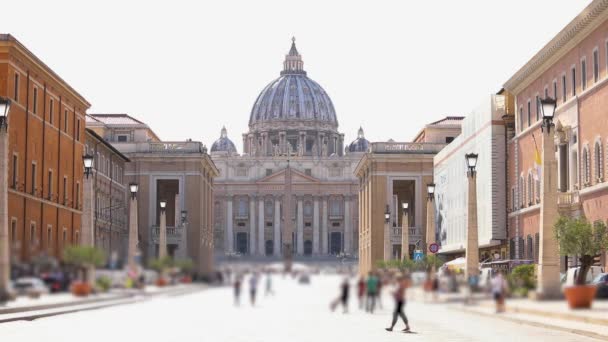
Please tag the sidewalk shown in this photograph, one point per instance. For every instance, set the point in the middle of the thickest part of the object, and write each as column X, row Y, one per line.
column 548, row 314
column 24, row 308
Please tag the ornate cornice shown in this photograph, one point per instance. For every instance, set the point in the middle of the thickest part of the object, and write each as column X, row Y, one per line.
column 570, row 36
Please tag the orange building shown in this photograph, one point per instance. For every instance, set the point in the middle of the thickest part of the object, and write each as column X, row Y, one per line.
column 46, row 129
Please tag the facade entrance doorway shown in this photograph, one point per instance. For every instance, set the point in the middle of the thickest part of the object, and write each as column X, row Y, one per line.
column 242, row 243
column 307, row 247
column 335, row 243
column 269, row 247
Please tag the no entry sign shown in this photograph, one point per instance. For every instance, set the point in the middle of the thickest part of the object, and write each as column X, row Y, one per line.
column 433, row 248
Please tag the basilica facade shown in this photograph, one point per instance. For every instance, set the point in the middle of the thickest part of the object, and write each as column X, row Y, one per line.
column 293, row 185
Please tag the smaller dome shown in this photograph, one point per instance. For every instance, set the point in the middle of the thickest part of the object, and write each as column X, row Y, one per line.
column 360, row 144
column 223, row 144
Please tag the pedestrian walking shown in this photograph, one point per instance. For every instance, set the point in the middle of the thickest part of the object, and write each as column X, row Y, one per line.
column 399, row 296
column 237, row 290
column 361, row 292
column 499, row 288
column 253, row 287
column 269, row 290
column 372, row 288
column 344, row 291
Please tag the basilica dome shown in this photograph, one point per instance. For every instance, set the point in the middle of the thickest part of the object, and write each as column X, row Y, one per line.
column 223, row 144
column 293, row 100
column 360, row 144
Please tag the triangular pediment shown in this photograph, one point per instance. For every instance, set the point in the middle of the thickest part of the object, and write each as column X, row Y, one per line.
column 296, row 177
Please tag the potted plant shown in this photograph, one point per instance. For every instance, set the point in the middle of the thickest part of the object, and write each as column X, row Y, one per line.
column 523, row 279
column 161, row 266
column 581, row 238
column 85, row 259
column 185, row 267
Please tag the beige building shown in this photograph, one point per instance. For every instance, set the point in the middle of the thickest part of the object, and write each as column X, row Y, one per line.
column 293, row 184
column 109, row 198
column 179, row 172
column 390, row 174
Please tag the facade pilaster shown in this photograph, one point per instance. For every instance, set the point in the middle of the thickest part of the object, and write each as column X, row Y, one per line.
column 300, row 228
column 277, row 226
column 261, row 225
column 252, row 224
column 229, row 238
column 348, row 225
column 315, row 226
column 324, row 233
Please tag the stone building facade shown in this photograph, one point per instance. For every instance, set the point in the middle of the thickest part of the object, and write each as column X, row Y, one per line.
column 573, row 69
column 110, row 191
column 179, row 172
column 390, row 174
column 293, row 184
column 46, row 145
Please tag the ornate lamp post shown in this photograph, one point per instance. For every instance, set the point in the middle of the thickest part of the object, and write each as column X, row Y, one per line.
column 162, row 234
column 133, row 188
column 405, row 232
column 430, row 215
column 387, row 239
column 5, row 263
column 472, row 252
column 548, row 258
column 87, row 234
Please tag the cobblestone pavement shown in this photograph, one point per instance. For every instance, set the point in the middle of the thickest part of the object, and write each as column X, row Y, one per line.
column 295, row 313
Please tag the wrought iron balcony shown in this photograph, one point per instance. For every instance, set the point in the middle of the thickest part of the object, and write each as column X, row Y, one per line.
column 568, row 199
column 174, row 234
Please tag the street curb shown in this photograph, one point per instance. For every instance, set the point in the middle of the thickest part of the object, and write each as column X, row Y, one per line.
column 564, row 316
column 97, row 303
column 537, row 324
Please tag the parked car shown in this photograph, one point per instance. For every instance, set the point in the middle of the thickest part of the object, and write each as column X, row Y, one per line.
column 30, row 286
column 55, row 281
column 572, row 273
column 601, row 281
column 485, row 278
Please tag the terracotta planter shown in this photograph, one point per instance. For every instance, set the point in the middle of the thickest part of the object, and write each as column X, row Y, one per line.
column 580, row 297
column 186, row 279
column 81, row 289
column 160, row 282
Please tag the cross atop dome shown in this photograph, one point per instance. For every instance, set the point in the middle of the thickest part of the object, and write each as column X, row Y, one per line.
column 293, row 63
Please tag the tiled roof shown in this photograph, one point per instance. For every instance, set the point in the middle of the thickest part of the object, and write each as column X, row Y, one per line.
column 449, row 120
column 116, row 119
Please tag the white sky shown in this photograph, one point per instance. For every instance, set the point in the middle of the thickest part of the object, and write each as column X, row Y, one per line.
column 189, row 67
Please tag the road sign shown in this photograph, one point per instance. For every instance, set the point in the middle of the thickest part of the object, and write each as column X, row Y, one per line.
column 418, row 255
column 433, row 248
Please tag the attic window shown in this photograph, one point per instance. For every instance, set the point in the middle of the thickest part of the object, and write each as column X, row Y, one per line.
column 268, row 172
column 308, row 172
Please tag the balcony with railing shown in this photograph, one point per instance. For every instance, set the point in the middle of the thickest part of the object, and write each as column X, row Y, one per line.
column 406, row 148
column 415, row 234
column 164, row 147
column 174, row 234
column 568, row 200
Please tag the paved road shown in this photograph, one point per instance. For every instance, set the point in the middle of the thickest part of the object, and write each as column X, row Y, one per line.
column 296, row 313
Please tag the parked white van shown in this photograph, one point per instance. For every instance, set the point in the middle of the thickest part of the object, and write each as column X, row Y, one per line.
column 572, row 273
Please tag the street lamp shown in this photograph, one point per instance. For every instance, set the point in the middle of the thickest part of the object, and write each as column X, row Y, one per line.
column 548, row 105
column 472, row 251
column 387, row 215
column 405, row 233
column 163, row 206
column 162, row 238
column 184, row 216
column 387, row 241
column 5, row 105
column 133, row 187
column 87, row 160
column 430, row 190
column 471, row 159
column 430, row 215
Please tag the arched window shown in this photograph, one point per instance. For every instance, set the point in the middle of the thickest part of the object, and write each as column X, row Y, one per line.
column 598, row 162
column 522, row 192
column 586, row 173
column 537, row 189
column 530, row 188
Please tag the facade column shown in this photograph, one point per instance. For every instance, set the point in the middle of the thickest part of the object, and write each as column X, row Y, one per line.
column 162, row 235
column 548, row 257
column 387, row 238
column 348, row 225
column 430, row 223
column 405, row 236
column 251, row 225
column 472, row 252
column 300, row 234
column 132, row 232
column 324, row 234
column 315, row 226
column 5, row 263
column 261, row 226
column 277, row 227
column 87, row 235
column 229, row 235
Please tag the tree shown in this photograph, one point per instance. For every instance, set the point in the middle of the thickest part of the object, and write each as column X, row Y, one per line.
column 579, row 237
column 84, row 258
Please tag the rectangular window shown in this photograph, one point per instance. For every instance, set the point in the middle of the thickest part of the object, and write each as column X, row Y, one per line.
column 50, row 185
column 77, row 195
column 13, row 230
column 449, row 139
column 268, row 172
column 122, row 138
column 49, row 235
column 32, row 234
column 16, row 89
column 335, row 224
column 15, row 169
column 268, row 224
column 573, row 81
column 529, row 113
column 521, row 119
column 538, row 106
column 65, row 190
column 564, row 92
column 308, row 172
column 583, row 74
column 64, row 237
column 596, row 65
column 51, row 104
column 555, row 90
column 78, row 130
column 35, row 101
column 65, row 120
column 33, row 178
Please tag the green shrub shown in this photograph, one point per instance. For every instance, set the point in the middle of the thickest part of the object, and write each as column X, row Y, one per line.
column 104, row 283
column 523, row 277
